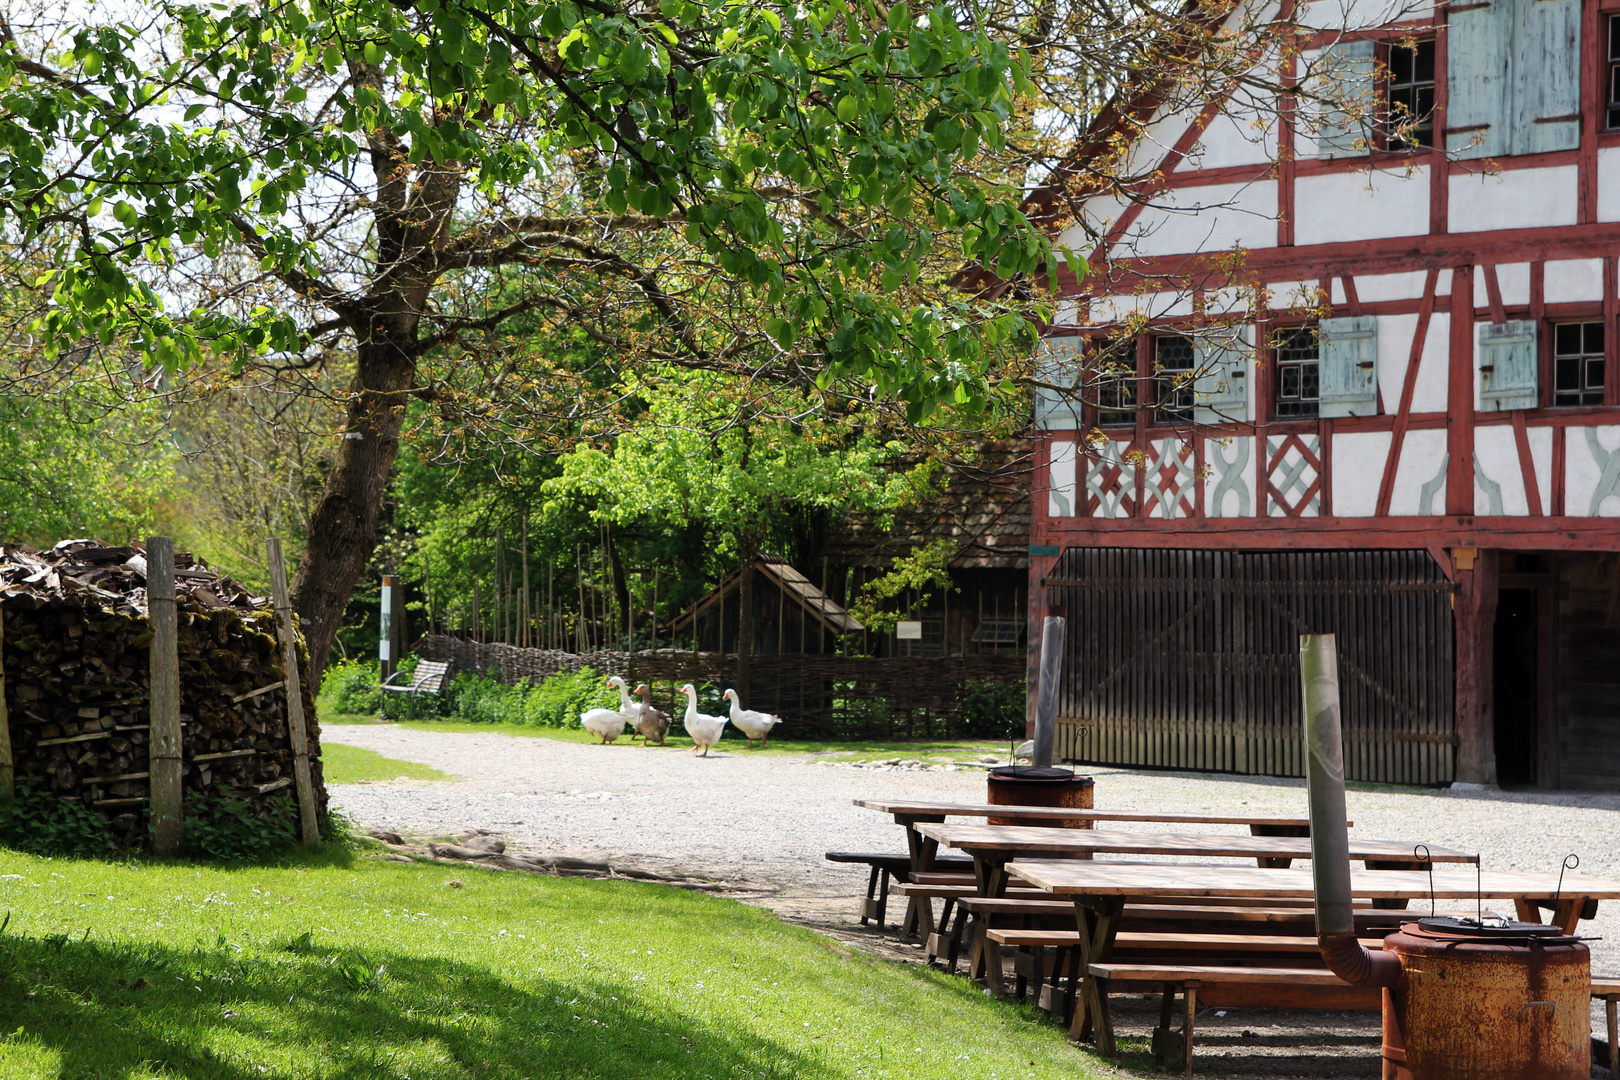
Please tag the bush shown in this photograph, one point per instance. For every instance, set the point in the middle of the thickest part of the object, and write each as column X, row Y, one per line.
column 41, row 824
column 557, row 702
column 225, row 827
column 349, row 687
column 993, row 710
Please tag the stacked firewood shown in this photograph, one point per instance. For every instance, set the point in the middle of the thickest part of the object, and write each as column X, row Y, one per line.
column 77, row 666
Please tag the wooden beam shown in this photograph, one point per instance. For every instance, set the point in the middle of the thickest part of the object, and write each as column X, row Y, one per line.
column 1304, row 534
column 1403, row 414
column 168, row 826
column 1460, row 395
column 295, row 694
column 1476, row 624
column 7, row 769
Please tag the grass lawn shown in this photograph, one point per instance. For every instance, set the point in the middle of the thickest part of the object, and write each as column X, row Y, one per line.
column 937, row 750
column 361, row 969
column 351, row 765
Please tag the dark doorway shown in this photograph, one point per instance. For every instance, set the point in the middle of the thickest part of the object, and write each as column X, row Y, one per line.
column 1517, row 654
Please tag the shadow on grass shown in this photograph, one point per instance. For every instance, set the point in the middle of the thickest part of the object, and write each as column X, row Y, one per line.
column 234, row 1012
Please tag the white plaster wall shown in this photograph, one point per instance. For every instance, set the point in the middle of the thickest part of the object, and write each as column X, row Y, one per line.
column 1584, row 471
column 1333, row 14
column 1100, row 213
column 1358, row 472
column 1512, row 278
column 1064, row 314
column 1496, row 456
column 1377, row 288
column 1360, row 205
column 1238, row 135
column 1423, row 458
column 1514, row 199
column 1429, row 395
column 1061, row 498
column 1285, row 294
column 1570, row 281
column 1394, row 351
column 1208, row 217
column 1117, row 308
column 1158, row 137
column 1541, row 442
column 1608, row 193
column 1240, row 499
column 1181, row 490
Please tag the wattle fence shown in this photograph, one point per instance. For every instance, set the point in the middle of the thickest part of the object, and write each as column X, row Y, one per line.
column 820, row 696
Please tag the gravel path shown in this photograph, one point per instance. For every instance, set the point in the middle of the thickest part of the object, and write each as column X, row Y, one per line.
column 761, row 823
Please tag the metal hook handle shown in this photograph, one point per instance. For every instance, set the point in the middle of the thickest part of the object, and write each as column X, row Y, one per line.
column 1565, row 865
column 1420, row 852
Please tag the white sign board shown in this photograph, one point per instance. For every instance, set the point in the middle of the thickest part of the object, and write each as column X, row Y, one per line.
column 908, row 631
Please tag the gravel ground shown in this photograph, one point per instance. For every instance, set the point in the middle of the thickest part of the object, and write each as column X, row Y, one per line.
column 761, row 823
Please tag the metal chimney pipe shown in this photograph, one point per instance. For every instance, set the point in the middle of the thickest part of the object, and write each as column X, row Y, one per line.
column 1330, row 838
column 1052, row 633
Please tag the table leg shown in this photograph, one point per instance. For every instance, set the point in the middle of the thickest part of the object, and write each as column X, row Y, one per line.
column 984, row 961
column 1259, row 829
column 919, row 918
column 1526, row 910
column 1098, row 921
column 1568, row 916
column 1392, row 903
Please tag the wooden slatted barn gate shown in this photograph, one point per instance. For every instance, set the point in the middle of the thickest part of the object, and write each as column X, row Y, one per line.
column 1190, row 659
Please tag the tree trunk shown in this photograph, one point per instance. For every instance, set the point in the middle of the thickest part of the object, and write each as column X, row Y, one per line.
column 745, row 628
column 621, row 587
column 343, row 529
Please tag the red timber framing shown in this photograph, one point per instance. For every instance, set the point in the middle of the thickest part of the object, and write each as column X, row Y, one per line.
column 1465, row 282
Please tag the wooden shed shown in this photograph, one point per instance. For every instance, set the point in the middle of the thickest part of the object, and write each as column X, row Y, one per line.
column 791, row 615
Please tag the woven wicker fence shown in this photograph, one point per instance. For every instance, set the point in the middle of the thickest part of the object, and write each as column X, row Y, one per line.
column 820, row 696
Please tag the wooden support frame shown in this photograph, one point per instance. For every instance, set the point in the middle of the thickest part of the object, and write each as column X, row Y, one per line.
column 163, row 695
column 299, row 734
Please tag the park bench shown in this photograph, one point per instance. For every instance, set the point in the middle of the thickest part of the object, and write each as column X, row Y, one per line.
column 1608, row 990
column 885, row 869
column 429, row 677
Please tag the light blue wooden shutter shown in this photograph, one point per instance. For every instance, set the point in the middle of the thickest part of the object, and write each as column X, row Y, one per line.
column 1544, row 94
column 1479, row 42
column 1221, row 388
column 1058, row 363
column 1348, row 111
column 1349, row 365
column 1508, row 364
column 1513, row 78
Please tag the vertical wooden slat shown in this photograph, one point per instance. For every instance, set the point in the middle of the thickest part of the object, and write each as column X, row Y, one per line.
column 295, row 694
column 163, row 697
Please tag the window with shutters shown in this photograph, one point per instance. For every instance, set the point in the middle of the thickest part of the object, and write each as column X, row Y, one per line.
column 1614, row 72
column 1409, row 95
column 1172, row 379
column 1114, row 377
column 1298, row 372
column 1578, row 364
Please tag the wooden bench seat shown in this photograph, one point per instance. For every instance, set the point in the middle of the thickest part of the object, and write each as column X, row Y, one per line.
column 886, row 868
column 428, row 677
column 1609, row 991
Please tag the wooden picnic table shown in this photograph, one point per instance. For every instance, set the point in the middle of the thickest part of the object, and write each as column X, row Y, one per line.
column 994, row 846
column 909, row 813
column 1100, row 891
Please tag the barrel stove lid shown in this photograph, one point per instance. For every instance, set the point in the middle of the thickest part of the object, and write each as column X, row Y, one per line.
column 1039, row 774
column 1494, row 929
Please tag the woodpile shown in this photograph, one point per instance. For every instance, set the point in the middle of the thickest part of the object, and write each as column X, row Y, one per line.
column 76, row 673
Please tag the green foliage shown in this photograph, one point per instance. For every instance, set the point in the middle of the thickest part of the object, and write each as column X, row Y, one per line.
column 351, row 688
column 924, row 569
column 38, row 822
column 993, row 710
column 556, row 702
column 221, row 826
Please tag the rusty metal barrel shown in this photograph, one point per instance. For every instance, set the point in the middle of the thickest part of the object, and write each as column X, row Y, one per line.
column 1492, row 1002
column 1029, row 785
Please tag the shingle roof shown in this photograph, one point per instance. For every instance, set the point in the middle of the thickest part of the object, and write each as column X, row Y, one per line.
column 984, row 508
column 812, row 599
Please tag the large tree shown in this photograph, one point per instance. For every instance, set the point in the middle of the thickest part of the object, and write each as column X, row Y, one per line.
column 758, row 189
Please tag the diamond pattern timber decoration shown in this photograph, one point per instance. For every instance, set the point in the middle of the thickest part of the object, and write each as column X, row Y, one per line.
column 1293, row 476
column 1110, row 483
column 1171, row 489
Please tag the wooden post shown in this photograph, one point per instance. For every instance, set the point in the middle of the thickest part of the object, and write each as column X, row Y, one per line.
column 7, row 773
column 526, row 638
column 1476, row 652
column 295, row 695
column 163, row 697
column 386, row 658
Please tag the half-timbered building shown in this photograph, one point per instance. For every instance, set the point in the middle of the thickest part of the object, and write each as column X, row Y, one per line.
column 1352, row 370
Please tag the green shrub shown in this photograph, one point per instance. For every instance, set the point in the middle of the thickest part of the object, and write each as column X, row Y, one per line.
column 992, row 710
column 41, row 824
column 557, row 702
column 225, row 827
column 349, row 687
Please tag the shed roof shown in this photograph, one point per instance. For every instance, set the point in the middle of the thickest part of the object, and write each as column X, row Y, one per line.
column 984, row 508
column 792, row 583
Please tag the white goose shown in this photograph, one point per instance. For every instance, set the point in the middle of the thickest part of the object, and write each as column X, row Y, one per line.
column 608, row 724
column 705, row 730
column 754, row 725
